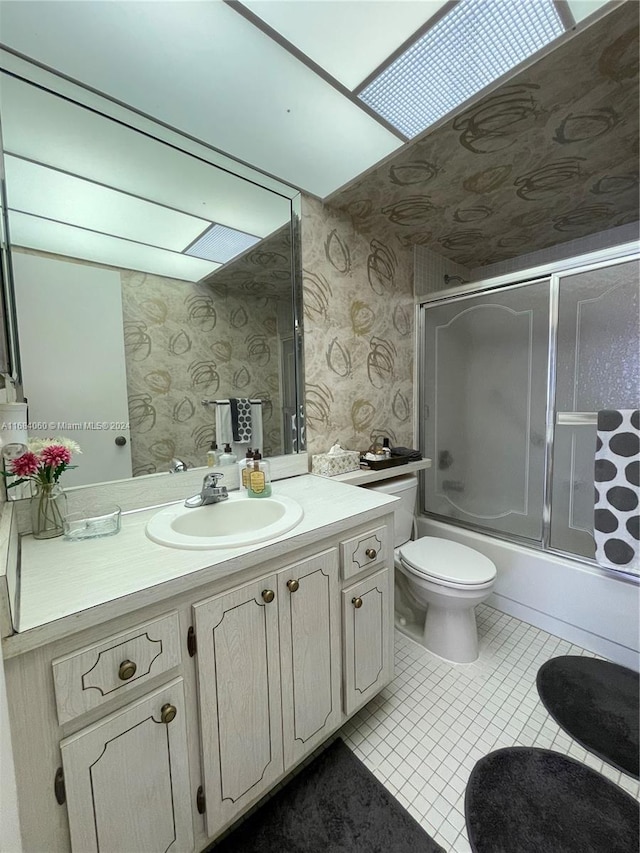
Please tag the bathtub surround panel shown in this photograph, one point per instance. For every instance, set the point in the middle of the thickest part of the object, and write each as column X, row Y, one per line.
column 600, row 240
column 358, row 314
column 433, row 272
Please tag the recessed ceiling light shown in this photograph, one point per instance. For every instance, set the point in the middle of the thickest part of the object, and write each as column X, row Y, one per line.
column 473, row 45
column 221, row 244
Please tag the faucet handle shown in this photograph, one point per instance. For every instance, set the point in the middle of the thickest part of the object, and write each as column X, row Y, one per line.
column 211, row 480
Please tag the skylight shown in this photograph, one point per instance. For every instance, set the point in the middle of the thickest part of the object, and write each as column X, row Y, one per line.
column 221, row 244
column 473, row 45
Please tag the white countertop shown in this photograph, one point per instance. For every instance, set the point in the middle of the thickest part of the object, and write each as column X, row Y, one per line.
column 118, row 574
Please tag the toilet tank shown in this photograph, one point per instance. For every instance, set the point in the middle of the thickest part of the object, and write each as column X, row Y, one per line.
column 406, row 489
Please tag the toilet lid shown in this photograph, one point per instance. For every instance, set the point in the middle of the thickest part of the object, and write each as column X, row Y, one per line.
column 448, row 561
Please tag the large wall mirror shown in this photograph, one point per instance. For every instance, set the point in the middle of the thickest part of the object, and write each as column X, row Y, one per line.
column 153, row 278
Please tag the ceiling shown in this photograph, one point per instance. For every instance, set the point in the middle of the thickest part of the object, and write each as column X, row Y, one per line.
column 270, row 82
column 548, row 157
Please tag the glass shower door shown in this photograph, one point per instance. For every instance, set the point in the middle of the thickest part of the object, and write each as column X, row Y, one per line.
column 597, row 368
column 485, row 400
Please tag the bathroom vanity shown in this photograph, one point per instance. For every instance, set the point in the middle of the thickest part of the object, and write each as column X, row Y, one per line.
column 156, row 694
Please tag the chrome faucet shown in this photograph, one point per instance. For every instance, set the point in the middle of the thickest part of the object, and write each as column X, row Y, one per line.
column 211, row 492
column 177, row 465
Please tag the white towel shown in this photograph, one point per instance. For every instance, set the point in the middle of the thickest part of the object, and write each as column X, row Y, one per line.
column 224, row 432
column 617, row 490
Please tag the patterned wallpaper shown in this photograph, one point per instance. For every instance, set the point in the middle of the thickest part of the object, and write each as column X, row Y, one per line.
column 358, row 332
column 263, row 270
column 185, row 343
column 549, row 156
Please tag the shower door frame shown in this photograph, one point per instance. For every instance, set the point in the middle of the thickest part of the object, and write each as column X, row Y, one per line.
column 552, row 272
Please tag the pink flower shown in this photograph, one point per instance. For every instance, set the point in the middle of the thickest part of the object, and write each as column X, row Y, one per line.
column 25, row 465
column 54, row 455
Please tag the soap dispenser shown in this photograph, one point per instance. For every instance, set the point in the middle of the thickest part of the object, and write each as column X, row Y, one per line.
column 259, row 477
column 227, row 457
column 213, row 455
column 244, row 469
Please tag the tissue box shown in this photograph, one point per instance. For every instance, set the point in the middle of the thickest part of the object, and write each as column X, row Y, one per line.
column 330, row 464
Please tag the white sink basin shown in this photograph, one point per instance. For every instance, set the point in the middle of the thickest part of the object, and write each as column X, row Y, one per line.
column 232, row 523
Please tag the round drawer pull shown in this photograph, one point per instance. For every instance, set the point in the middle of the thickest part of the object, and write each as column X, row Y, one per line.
column 293, row 585
column 126, row 670
column 268, row 595
column 168, row 713
column 357, row 602
column 371, row 553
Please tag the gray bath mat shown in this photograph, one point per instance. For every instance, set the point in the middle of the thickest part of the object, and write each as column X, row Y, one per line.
column 598, row 704
column 528, row 800
column 334, row 805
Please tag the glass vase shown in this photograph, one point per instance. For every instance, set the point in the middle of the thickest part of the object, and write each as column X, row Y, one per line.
column 48, row 508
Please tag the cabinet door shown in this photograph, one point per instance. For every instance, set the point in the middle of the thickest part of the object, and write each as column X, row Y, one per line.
column 127, row 779
column 367, row 618
column 240, row 706
column 308, row 609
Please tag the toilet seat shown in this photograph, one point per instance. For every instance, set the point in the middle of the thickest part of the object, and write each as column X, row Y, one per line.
column 447, row 563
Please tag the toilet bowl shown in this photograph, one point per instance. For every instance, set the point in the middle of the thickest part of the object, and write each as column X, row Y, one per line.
column 447, row 580
column 440, row 581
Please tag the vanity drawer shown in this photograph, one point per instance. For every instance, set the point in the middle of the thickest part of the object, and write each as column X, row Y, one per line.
column 91, row 676
column 364, row 551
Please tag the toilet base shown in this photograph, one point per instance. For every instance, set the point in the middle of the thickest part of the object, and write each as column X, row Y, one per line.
column 449, row 628
column 415, row 632
column 451, row 634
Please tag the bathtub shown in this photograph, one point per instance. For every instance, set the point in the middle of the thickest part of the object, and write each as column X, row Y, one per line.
column 591, row 608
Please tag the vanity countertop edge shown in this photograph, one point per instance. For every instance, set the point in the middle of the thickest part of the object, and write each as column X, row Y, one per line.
column 60, row 596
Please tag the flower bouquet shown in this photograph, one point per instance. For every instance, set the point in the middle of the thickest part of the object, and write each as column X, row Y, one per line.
column 42, row 465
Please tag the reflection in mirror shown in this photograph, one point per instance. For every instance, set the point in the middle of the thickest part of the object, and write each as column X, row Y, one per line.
column 147, row 280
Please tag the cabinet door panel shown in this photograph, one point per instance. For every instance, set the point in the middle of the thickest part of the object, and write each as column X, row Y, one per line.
column 240, row 706
column 127, row 780
column 310, row 653
column 368, row 639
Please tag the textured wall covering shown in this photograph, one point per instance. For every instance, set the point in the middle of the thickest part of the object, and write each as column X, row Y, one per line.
column 548, row 157
column 184, row 343
column 264, row 270
column 358, row 333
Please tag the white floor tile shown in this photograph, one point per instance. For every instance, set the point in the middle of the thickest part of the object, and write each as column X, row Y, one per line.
column 425, row 732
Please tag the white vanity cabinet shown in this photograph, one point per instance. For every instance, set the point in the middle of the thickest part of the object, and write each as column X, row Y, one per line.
column 151, row 721
column 127, row 778
column 367, row 638
column 268, row 661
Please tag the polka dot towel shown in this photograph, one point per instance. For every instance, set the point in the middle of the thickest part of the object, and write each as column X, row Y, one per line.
column 617, row 491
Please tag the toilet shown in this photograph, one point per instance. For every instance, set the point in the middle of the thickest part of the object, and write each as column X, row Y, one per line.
column 441, row 577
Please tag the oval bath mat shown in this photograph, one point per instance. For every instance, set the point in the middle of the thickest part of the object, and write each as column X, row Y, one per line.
column 596, row 702
column 530, row 800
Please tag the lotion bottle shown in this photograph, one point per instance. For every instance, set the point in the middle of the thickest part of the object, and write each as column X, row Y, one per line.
column 259, row 477
column 213, row 455
column 227, row 457
column 244, row 466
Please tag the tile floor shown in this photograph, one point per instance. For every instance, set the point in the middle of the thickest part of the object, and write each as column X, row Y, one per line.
column 422, row 735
